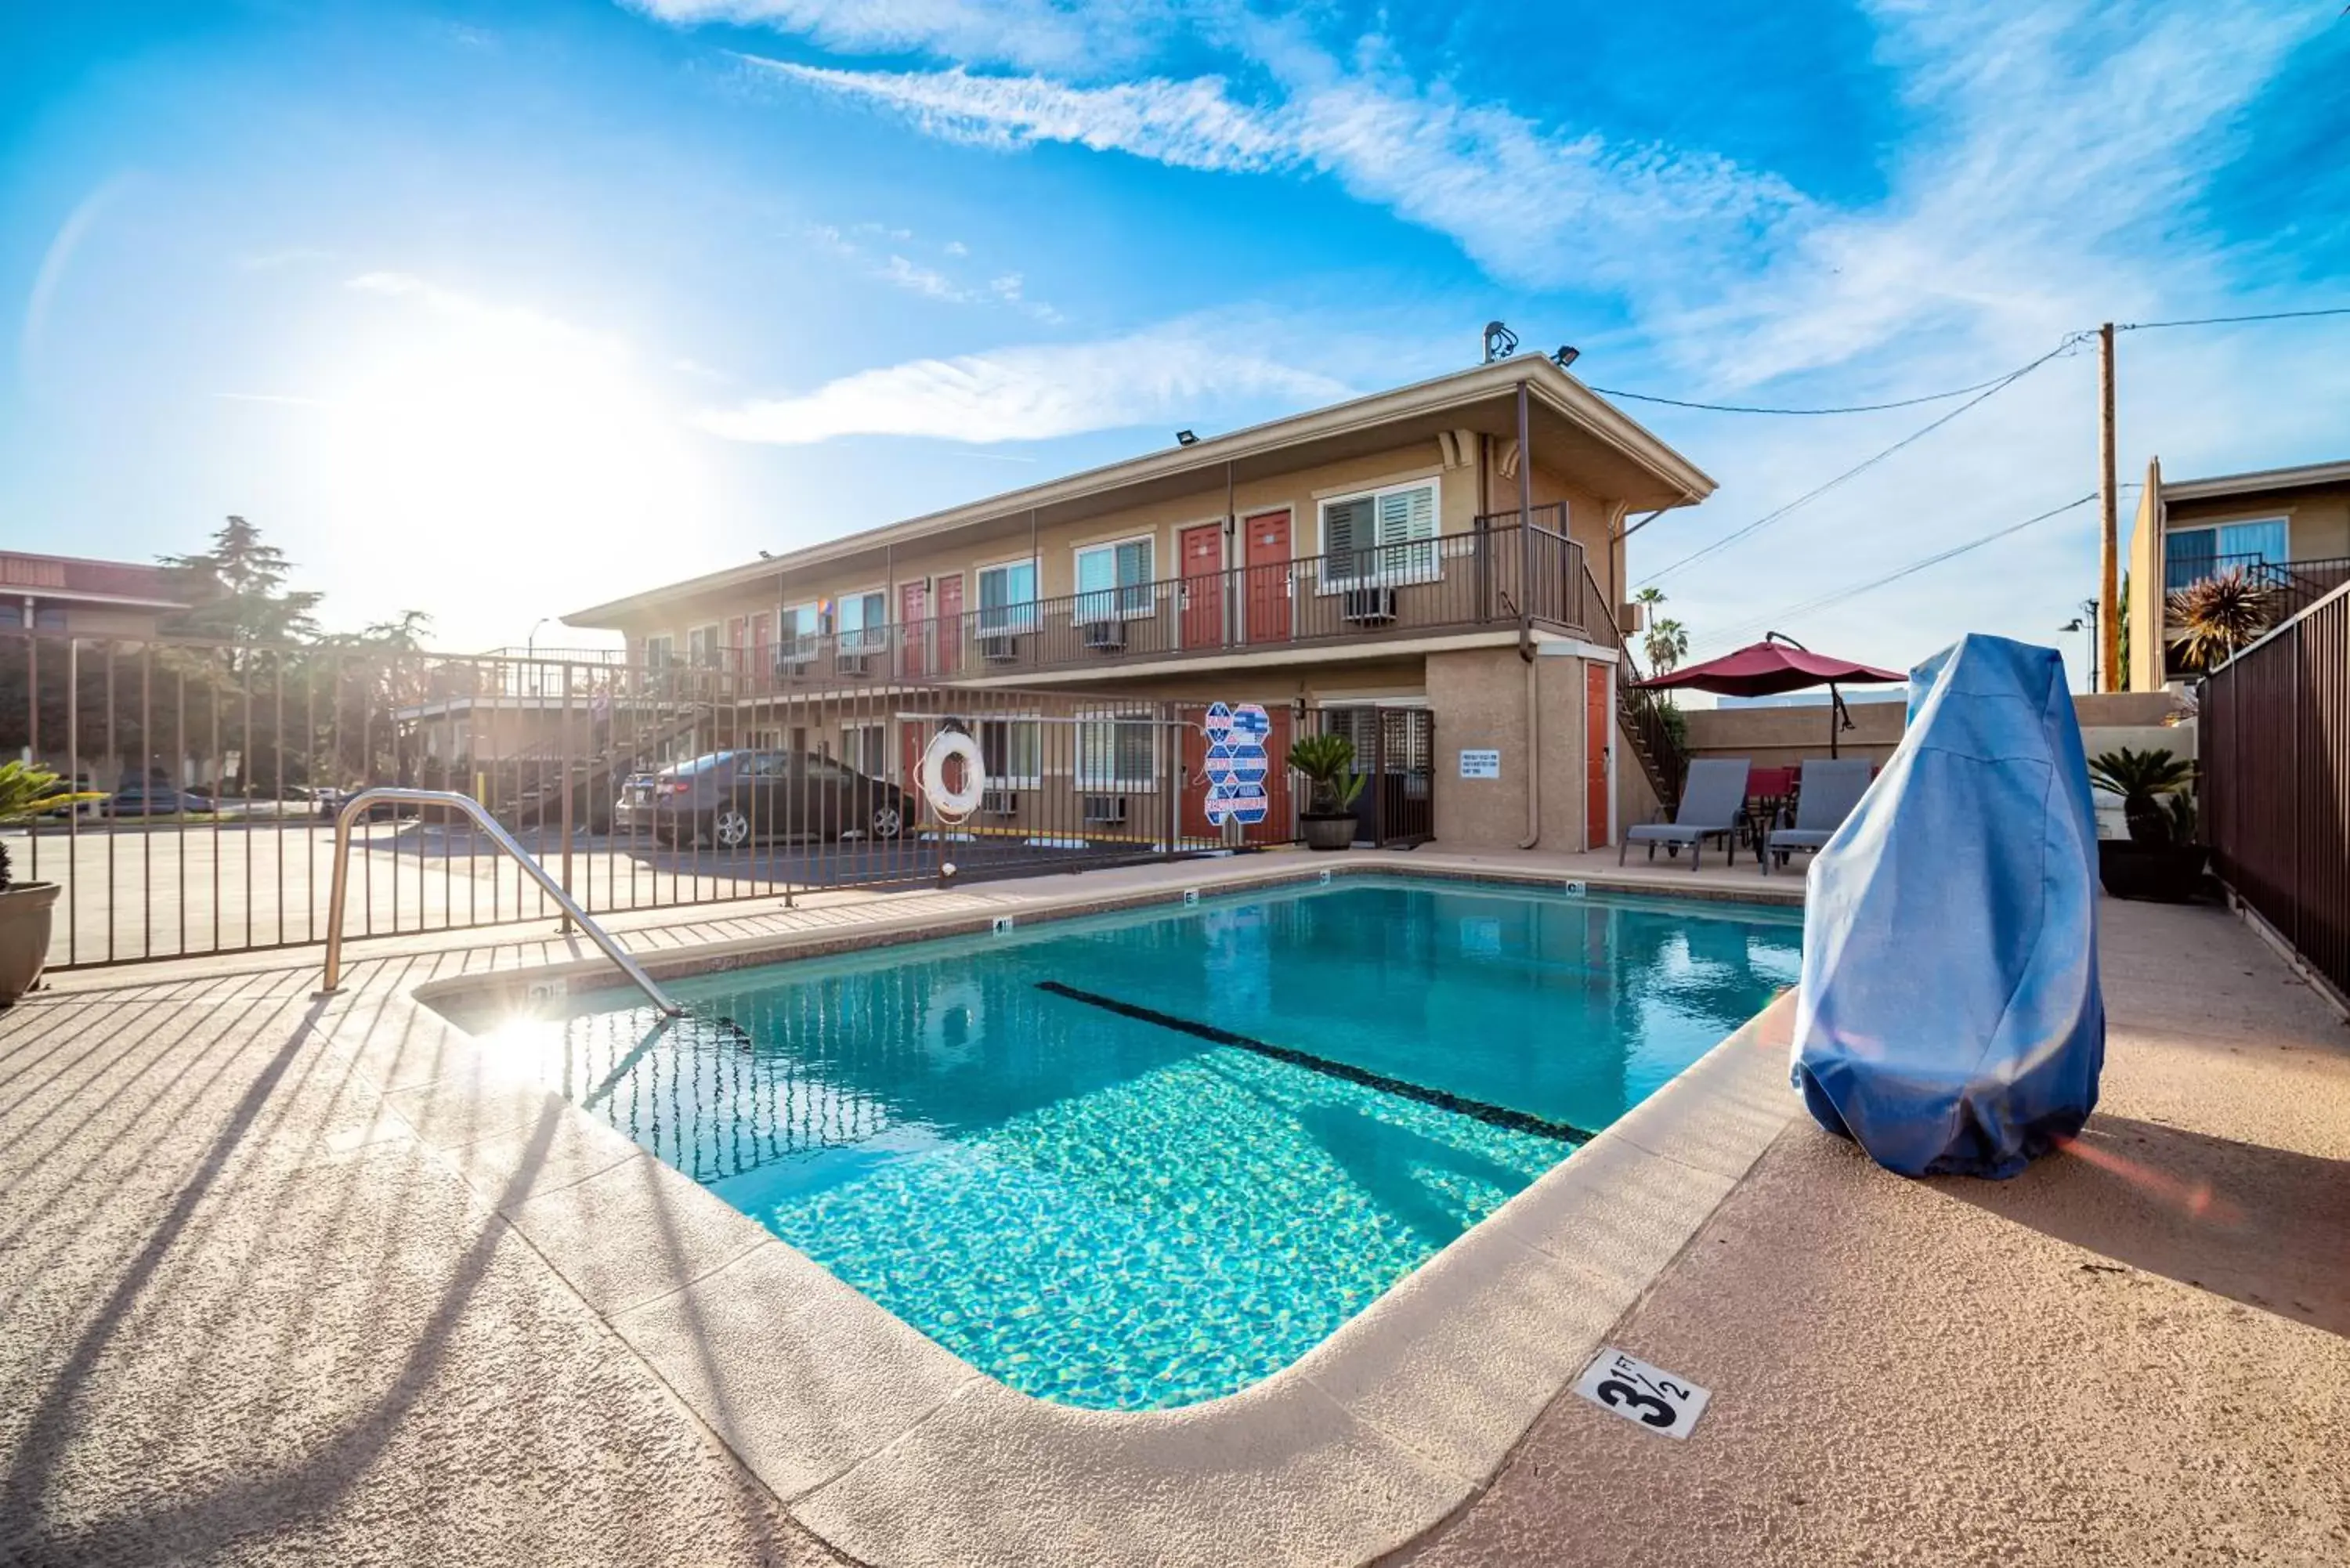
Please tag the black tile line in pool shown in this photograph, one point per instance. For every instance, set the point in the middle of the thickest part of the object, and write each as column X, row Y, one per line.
column 1498, row 1115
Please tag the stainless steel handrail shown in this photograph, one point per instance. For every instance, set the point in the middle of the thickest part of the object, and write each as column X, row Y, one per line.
column 499, row 836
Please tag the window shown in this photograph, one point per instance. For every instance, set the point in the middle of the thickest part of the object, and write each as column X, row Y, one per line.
column 701, row 647
column 2192, row 554
column 660, row 652
column 1007, row 597
column 866, row 748
column 1382, row 537
column 1009, row 750
column 798, row 627
column 1116, row 753
column 864, row 621
column 1114, row 580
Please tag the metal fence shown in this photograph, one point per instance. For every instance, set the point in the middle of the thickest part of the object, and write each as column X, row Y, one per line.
column 2274, row 736
column 222, row 765
column 1395, row 751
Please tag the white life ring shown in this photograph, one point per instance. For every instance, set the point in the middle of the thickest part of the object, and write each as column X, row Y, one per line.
column 954, row 804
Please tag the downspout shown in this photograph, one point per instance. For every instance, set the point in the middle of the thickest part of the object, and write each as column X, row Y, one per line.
column 1527, row 626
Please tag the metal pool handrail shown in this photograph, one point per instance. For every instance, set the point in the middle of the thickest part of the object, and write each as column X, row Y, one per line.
column 504, row 840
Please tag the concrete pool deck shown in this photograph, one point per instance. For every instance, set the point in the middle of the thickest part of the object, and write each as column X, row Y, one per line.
column 275, row 1286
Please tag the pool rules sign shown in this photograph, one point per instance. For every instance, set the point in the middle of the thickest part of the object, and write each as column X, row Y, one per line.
column 1236, row 763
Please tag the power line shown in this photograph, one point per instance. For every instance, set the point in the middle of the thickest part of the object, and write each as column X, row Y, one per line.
column 1990, row 389
column 1847, row 409
column 2231, row 320
column 1838, row 596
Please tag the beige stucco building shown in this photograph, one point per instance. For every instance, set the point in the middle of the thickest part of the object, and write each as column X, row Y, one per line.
column 1455, row 546
column 2287, row 529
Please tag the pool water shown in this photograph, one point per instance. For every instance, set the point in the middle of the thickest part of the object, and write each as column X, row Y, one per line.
column 1146, row 1159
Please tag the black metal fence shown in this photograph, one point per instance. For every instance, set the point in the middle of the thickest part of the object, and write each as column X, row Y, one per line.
column 221, row 767
column 2275, row 737
column 1395, row 752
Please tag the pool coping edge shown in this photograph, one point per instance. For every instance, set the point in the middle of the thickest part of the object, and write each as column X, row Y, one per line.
column 1369, row 1440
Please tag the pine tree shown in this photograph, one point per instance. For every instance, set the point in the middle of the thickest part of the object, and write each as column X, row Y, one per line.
column 237, row 591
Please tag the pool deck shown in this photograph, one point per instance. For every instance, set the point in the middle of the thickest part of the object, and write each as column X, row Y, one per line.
column 278, row 1283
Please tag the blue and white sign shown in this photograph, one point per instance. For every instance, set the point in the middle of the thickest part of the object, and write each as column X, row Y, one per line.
column 1236, row 765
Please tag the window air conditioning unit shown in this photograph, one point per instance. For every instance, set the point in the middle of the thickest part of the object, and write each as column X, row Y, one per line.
column 998, row 803
column 999, row 648
column 852, row 663
column 1369, row 607
column 1105, row 635
column 1104, row 808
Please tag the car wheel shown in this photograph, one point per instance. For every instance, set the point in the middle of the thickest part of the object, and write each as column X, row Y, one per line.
column 888, row 820
column 730, row 828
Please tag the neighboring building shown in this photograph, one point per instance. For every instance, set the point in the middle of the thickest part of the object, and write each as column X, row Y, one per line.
column 2288, row 528
column 1369, row 555
column 88, row 598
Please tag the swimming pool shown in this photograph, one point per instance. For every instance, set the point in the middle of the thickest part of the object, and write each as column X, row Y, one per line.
column 1144, row 1160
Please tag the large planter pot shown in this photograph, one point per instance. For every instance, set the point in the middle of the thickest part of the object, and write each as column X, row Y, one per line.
column 24, row 937
column 2166, row 873
column 1327, row 832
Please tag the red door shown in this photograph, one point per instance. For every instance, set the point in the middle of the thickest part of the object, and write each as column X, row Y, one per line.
column 914, row 629
column 1203, row 584
column 949, row 624
column 1597, row 686
column 1265, row 555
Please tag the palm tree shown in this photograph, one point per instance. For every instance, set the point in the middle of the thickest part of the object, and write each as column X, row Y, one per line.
column 2140, row 778
column 1667, row 644
column 2220, row 617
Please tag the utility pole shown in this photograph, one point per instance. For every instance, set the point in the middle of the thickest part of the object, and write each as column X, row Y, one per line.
column 2109, row 616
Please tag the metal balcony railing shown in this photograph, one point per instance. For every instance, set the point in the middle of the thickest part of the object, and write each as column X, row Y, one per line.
column 1489, row 576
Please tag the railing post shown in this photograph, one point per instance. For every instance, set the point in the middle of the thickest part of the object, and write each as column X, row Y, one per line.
column 570, row 787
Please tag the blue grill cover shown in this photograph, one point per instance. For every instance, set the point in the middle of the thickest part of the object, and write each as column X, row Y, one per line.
column 1950, row 1019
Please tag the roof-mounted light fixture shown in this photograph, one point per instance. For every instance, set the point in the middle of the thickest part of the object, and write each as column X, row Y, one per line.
column 1500, row 342
column 1565, row 356
column 1185, row 438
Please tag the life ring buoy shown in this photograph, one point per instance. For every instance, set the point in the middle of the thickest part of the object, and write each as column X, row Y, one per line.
column 954, row 804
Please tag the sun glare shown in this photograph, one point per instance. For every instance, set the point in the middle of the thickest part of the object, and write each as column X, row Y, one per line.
column 498, row 445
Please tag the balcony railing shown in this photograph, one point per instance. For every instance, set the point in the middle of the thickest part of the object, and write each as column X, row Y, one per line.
column 2293, row 586
column 1480, row 579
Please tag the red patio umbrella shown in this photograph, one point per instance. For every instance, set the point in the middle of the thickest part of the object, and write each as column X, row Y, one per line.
column 1778, row 663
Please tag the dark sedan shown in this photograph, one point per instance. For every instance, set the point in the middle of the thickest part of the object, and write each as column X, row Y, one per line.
column 729, row 798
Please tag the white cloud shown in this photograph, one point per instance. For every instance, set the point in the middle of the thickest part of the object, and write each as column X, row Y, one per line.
column 956, row 248
column 1534, row 206
column 1043, row 34
column 922, row 280
column 1036, row 392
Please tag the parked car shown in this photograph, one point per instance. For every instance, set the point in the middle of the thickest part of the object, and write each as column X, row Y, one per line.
column 151, row 799
column 330, row 806
column 728, row 798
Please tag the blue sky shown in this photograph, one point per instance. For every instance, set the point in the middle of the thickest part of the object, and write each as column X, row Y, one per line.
column 498, row 311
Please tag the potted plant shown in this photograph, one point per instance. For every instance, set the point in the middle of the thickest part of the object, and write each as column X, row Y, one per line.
column 27, row 792
column 2161, row 859
column 1328, row 761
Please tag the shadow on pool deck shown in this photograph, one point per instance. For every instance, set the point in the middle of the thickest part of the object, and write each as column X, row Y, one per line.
column 2267, row 1227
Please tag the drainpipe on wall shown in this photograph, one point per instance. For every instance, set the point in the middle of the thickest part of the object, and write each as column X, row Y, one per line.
column 1527, row 626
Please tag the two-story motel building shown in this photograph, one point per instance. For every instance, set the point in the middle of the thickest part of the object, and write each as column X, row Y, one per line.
column 1455, row 545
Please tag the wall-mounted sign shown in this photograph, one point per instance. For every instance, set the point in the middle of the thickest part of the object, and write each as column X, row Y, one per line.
column 1236, row 765
column 1481, row 764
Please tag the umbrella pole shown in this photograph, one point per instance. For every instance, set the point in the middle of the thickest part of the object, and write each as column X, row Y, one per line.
column 1835, row 712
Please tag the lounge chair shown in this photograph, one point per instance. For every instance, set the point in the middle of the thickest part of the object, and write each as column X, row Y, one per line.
column 1830, row 791
column 1711, row 799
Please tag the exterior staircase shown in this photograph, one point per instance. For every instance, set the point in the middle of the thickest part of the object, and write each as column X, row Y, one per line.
column 1645, row 735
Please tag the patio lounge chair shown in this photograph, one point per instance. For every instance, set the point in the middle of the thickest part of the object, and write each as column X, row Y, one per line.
column 1831, row 789
column 1712, row 799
